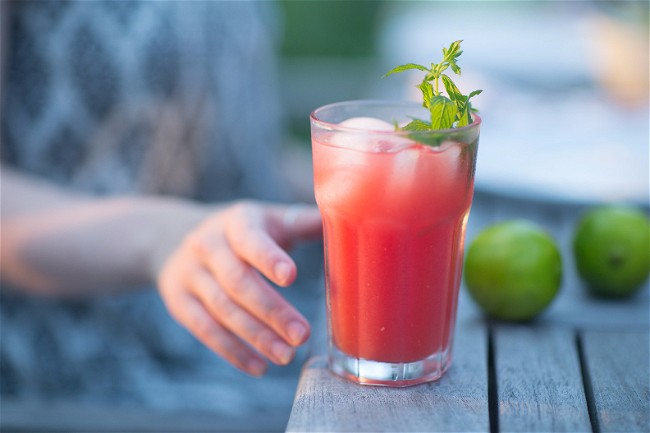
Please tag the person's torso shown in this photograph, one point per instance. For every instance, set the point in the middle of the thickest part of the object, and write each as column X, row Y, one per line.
column 143, row 97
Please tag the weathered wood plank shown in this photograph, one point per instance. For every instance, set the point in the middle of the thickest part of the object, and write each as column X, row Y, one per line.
column 457, row 402
column 617, row 365
column 575, row 307
column 539, row 380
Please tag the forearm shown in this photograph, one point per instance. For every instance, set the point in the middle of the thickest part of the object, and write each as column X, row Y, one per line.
column 58, row 243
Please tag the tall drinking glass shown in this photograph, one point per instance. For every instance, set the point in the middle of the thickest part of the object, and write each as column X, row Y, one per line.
column 394, row 205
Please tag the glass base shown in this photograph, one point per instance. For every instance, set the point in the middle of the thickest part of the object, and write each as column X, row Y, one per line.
column 393, row 374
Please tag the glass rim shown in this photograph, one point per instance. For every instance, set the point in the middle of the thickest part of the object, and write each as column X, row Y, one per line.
column 368, row 102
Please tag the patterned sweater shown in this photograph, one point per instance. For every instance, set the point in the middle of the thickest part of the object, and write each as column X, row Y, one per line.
column 154, row 97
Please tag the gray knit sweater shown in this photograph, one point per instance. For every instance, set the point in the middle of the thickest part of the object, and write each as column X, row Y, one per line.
column 148, row 98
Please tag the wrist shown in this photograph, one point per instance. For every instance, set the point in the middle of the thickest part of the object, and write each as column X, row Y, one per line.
column 164, row 223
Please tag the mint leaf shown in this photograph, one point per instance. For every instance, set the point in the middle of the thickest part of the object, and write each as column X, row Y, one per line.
column 466, row 109
column 427, row 93
column 450, row 111
column 450, row 87
column 417, row 125
column 454, row 67
column 406, row 67
column 452, row 54
column 443, row 112
column 454, row 48
column 427, row 137
column 464, row 118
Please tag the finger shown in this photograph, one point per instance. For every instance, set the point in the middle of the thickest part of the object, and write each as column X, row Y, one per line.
column 189, row 312
column 256, row 247
column 261, row 245
column 239, row 321
column 249, row 290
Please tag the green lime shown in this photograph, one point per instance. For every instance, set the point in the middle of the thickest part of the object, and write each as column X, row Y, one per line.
column 611, row 249
column 513, row 270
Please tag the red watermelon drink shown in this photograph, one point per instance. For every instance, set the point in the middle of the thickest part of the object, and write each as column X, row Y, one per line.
column 395, row 205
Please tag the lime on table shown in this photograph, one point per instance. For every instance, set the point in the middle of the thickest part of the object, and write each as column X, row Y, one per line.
column 513, row 270
column 612, row 250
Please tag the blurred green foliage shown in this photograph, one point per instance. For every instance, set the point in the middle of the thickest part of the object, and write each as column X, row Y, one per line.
column 633, row 11
column 329, row 28
column 325, row 50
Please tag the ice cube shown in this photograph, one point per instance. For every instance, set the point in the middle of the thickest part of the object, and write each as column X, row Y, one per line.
column 451, row 147
column 350, row 168
column 367, row 124
column 449, row 161
column 423, row 178
column 339, row 169
column 362, row 138
column 403, row 172
column 441, row 171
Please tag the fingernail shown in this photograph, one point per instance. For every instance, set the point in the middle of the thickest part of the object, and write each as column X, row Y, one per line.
column 282, row 271
column 282, row 352
column 296, row 332
column 256, row 367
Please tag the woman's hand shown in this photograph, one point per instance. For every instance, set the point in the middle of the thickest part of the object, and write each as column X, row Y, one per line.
column 214, row 284
column 62, row 244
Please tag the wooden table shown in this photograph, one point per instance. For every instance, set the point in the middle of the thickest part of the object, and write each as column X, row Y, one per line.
column 582, row 366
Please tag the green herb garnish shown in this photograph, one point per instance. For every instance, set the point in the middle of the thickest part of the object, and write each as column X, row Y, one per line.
column 451, row 111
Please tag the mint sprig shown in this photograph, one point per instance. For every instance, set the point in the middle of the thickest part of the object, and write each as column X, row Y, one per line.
column 451, row 111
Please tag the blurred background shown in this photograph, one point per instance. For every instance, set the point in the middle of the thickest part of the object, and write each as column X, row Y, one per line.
column 565, row 101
